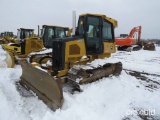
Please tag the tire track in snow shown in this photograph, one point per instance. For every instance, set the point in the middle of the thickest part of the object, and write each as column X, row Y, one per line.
column 145, row 79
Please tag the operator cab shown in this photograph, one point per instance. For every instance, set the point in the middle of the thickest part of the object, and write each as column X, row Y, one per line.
column 123, row 35
column 95, row 31
column 52, row 32
column 24, row 33
column 2, row 34
column 9, row 34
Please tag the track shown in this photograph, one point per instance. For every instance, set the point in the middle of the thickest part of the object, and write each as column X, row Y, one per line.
column 93, row 74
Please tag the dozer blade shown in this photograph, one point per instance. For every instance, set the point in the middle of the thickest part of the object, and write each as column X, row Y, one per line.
column 47, row 88
column 9, row 59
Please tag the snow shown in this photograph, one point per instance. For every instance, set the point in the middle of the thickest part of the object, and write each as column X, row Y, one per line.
column 42, row 52
column 110, row 98
column 10, row 44
column 2, row 58
column 147, row 61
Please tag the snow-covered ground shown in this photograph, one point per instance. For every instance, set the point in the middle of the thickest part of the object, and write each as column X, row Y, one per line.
column 112, row 98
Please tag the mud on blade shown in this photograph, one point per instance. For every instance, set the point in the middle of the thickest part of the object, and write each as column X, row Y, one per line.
column 47, row 88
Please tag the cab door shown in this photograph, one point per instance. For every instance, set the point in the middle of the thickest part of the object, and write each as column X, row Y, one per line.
column 93, row 36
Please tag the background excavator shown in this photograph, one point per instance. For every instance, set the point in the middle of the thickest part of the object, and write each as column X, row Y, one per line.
column 27, row 42
column 128, row 42
column 70, row 59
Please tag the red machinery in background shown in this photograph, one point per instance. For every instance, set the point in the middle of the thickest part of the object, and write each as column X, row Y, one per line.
column 128, row 42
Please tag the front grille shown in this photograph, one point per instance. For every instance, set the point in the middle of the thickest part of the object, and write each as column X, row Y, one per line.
column 58, row 55
column 23, row 46
column 33, row 44
column 36, row 44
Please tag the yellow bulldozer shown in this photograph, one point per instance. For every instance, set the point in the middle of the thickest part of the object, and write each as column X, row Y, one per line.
column 27, row 42
column 70, row 58
column 9, row 36
column 14, row 44
column 2, row 40
column 6, row 37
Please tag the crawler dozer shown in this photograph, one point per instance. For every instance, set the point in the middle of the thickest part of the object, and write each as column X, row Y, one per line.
column 14, row 44
column 9, row 37
column 2, row 40
column 6, row 37
column 49, row 34
column 71, row 59
column 27, row 43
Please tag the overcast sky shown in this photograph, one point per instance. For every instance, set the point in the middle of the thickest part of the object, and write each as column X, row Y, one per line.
column 16, row 14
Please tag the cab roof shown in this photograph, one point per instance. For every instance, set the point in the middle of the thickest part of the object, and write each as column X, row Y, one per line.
column 54, row 26
column 26, row 29
column 113, row 21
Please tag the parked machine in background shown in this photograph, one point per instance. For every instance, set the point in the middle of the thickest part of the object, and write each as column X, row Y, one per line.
column 27, row 42
column 9, row 36
column 129, row 42
column 2, row 40
column 6, row 37
column 14, row 44
column 149, row 46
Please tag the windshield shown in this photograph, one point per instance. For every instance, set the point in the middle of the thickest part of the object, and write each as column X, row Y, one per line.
column 2, row 34
column 22, row 34
column 50, row 33
column 107, row 31
column 27, row 34
column 10, row 34
column 60, row 32
column 18, row 35
column 123, row 35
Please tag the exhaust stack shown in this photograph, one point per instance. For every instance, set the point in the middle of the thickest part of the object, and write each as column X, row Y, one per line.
column 38, row 30
column 73, row 22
